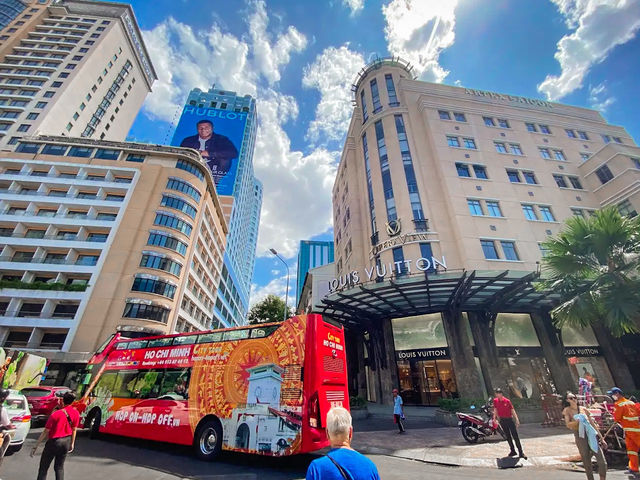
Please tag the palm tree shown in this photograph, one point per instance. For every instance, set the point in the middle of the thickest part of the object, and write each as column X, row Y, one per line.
column 594, row 263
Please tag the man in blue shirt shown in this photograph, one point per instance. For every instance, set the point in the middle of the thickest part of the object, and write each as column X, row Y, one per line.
column 342, row 462
column 398, row 410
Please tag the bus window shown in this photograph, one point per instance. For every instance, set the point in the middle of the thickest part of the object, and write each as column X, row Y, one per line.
column 188, row 340
column 107, row 381
column 123, row 387
column 147, row 384
column 175, row 383
column 160, row 342
column 104, row 345
column 210, row 337
column 263, row 331
column 235, row 334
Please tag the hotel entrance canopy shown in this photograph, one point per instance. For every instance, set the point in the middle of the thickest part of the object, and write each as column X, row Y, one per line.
column 476, row 290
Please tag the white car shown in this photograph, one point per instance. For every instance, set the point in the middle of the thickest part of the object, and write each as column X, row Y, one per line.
column 20, row 416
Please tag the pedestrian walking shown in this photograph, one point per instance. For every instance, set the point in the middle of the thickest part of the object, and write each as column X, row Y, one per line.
column 5, row 425
column 504, row 411
column 342, row 462
column 398, row 410
column 60, row 435
column 626, row 414
column 587, row 436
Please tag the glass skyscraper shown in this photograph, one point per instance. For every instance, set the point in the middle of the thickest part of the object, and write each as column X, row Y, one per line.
column 312, row 254
column 242, row 207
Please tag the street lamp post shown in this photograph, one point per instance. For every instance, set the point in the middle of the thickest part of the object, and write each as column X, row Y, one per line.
column 286, row 293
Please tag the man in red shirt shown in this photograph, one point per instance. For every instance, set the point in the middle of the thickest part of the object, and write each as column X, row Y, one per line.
column 60, row 432
column 503, row 409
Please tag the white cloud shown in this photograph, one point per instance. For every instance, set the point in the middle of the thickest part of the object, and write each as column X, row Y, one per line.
column 332, row 74
column 270, row 57
column 276, row 287
column 297, row 188
column 354, row 5
column 598, row 98
column 418, row 31
column 599, row 26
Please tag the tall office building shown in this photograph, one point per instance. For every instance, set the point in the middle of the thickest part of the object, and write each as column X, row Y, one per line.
column 95, row 234
column 240, row 193
column 71, row 67
column 442, row 201
column 311, row 254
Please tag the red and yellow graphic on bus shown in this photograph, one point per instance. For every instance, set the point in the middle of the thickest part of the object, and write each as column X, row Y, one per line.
column 248, row 379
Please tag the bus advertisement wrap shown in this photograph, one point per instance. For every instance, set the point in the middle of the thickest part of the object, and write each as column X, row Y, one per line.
column 217, row 135
column 245, row 382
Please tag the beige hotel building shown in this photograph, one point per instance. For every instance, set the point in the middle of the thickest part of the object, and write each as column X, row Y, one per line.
column 442, row 200
column 97, row 234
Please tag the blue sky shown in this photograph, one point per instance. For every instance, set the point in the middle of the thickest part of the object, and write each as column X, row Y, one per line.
column 299, row 60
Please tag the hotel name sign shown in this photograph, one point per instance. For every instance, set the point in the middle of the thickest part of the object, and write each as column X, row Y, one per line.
column 510, row 98
column 398, row 241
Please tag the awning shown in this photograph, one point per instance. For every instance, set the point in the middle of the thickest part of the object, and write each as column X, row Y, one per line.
column 476, row 290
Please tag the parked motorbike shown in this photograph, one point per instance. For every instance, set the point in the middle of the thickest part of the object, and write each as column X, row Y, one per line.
column 476, row 426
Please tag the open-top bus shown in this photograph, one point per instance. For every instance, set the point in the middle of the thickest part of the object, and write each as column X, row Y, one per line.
column 262, row 389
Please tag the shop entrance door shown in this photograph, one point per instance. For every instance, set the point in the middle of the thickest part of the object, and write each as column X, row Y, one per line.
column 424, row 382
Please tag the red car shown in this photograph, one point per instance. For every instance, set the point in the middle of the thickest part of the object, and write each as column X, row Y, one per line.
column 43, row 400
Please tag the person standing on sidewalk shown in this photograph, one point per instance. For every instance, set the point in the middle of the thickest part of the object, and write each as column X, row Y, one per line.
column 5, row 425
column 588, row 438
column 503, row 409
column 627, row 415
column 398, row 410
column 60, row 433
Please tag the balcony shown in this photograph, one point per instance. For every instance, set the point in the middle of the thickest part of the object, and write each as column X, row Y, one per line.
column 52, row 261
column 56, row 286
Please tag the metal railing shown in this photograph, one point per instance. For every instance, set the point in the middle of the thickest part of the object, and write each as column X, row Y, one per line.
column 53, row 237
column 27, row 314
column 55, row 261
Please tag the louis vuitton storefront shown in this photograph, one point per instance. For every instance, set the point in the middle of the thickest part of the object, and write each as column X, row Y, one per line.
column 461, row 334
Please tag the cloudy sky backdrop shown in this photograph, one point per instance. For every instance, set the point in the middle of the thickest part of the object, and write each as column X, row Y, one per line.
column 300, row 58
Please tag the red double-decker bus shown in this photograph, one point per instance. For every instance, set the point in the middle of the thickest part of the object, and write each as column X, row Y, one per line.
column 262, row 389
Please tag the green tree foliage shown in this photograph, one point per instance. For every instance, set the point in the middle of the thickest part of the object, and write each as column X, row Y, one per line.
column 271, row 309
column 594, row 263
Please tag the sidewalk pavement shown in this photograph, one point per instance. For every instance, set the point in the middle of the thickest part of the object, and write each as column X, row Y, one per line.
column 429, row 442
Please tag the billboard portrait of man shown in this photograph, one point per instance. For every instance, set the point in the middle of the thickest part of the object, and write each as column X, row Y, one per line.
column 216, row 149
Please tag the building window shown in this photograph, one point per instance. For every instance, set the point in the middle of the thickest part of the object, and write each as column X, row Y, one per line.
column 547, row 214
column 444, row 115
column 189, row 167
column 531, row 127
column 152, row 285
column 545, row 129
column 509, row 250
column 41, row 104
column 583, row 135
column 363, row 103
column 515, row 149
column 49, row 94
column 163, row 240
column 529, row 212
column 488, row 121
column 179, row 204
column 480, row 171
column 559, row 155
column 375, row 96
column 463, row 170
column 147, row 312
column 606, row 138
column 514, row 176
column 459, row 117
column 107, row 154
column 604, row 174
column 184, row 187
column 159, row 262
column 530, row 178
column 453, row 141
column 570, row 133
column 400, row 268
column 386, row 174
column 475, row 207
column 636, row 162
column 617, row 139
column 577, row 212
column 489, row 249
column 174, row 222
column 503, row 123
column 412, row 184
column 69, row 126
column 469, row 143
column 391, row 90
column 626, row 209
column 584, row 157
column 544, row 153
column 133, row 157
column 24, row 127
column 560, row 181
column 500, row 147
column 82, row 152
column 493, row 208
column 575, row 182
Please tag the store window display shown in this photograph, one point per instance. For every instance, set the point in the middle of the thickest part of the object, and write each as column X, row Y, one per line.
column 425, row 372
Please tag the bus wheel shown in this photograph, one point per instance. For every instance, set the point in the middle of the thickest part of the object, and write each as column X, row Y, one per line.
column 208, row 440
column 94, row 424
